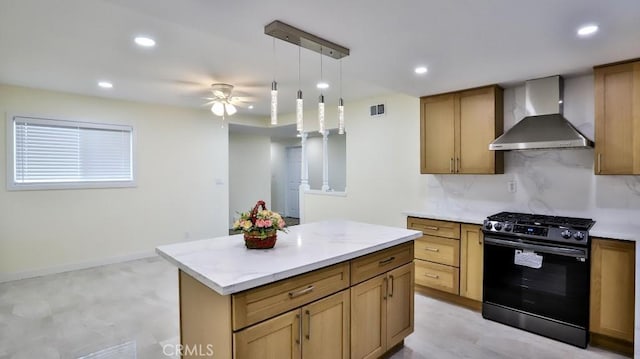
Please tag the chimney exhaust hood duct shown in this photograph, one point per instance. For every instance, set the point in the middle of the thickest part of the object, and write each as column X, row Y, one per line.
column 544, row 127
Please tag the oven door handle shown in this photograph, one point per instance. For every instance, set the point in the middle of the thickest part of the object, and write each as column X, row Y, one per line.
column 561, row 251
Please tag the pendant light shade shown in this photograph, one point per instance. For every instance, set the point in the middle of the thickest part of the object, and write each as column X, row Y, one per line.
column 231, row 109
column 341, row 117
column 321, row 114
column 299, row 112
column 274, row 103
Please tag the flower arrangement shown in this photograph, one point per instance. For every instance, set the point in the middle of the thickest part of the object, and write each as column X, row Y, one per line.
column 260, row 226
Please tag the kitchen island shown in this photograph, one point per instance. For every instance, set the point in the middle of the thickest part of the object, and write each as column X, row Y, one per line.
column 337, row 289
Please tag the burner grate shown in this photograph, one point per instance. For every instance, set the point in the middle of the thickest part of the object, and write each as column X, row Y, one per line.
column 543, row 220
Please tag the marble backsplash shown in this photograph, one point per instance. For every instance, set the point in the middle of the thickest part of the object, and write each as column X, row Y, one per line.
column 554, row 182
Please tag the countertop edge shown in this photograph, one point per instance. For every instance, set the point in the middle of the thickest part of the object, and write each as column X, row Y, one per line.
column 600, row 230
column 271, row 278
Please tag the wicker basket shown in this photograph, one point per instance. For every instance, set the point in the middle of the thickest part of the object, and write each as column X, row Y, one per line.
column 255, row 240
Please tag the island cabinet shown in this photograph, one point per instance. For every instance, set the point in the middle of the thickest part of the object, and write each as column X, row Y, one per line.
column 359, row 308
column 382, row 312
column 456, row 130
column 617, row 119
column 448, row 260
column 613, row 292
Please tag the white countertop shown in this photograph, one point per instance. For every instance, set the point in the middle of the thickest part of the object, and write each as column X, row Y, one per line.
column 225, row 265
column 605, row 229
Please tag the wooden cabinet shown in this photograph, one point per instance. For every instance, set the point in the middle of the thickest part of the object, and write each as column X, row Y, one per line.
column 318, row 330
column 471, row 259
column 612, row 288
column 617, row 119
column 449, row 260
column 437, row 254
column 381, row 312
column 456, row 129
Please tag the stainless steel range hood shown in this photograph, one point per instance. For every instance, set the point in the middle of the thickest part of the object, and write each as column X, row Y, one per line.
column 544, row 127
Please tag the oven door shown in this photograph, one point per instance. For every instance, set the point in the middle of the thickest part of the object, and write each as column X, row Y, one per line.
column 552, row 281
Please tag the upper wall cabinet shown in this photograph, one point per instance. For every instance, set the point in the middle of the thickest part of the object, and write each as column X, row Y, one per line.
column 456, row 129
column 617, row 119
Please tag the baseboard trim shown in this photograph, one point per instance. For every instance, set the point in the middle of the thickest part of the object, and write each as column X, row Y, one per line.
column 448, row 297
column 613, row 344
column 8, row 277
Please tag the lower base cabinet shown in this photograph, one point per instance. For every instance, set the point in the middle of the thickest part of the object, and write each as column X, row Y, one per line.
column 381, row 312
column 613, row 288
column 316, row 331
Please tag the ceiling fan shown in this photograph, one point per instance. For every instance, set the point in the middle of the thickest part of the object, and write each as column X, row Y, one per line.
column 222, row 102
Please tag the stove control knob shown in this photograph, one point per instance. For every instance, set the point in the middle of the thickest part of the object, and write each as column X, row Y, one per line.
column 488, row 225
column 508, row 227
column 578, row 236
column 566, row 234
column 497, row 226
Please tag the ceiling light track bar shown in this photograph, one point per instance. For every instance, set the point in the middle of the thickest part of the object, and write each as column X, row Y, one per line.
column 288, row 33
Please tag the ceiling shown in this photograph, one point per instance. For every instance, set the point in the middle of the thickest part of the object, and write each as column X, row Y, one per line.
column 70, row 45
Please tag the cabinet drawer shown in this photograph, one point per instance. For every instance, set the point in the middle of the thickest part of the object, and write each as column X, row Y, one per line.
column 434, row 227
column 438, row 250
column 371, row 265
column 438, row 276
column 261, row 303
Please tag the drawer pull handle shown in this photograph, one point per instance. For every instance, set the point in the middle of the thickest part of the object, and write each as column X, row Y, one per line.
column 301, row 292
column 432, row 249
column 391, row 280
column 434, row 276
column 386, row 261
column 432, row 228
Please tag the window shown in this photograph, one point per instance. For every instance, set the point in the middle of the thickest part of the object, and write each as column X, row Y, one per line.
column 52, row 154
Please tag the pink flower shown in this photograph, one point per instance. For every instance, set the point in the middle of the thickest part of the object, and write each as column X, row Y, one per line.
column 267, row 223
column 260, row 223
column 281, row 223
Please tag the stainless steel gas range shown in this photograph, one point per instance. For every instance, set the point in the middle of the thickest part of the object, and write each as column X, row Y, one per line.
column 537, row 274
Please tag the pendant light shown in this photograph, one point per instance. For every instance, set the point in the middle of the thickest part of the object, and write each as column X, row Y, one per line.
column 341, row 106
column 321, row 102
column 299, row 104
column 274, row 90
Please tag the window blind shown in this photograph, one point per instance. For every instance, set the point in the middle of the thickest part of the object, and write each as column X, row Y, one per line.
column 55, row 151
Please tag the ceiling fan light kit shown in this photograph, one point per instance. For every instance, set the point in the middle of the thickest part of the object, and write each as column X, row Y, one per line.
column 221, row 100
column 279, row 30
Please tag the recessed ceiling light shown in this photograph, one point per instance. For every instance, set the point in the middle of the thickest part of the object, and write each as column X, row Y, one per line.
column 322, row 85
column 420, row 70
column 105, row 84
column 145, row 41
column 587, row 30
column 250, row 107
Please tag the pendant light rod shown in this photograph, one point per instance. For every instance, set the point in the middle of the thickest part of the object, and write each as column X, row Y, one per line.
column 288, row 33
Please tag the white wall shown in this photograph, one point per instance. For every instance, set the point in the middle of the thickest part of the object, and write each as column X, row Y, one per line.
column 249, row 172
column 181, row 154
column 384, row 180
column 383, row 164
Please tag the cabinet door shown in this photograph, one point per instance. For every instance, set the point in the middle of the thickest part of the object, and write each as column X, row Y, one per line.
column 399, row 304
column 368, row 319
column 479, row 123
column 612, row 288
column 617, row 119
column 471, row 262
column 437, row 134
column 276, row 338
column 325, row 327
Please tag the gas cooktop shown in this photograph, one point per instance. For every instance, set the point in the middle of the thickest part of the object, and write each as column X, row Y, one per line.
column 541, row 227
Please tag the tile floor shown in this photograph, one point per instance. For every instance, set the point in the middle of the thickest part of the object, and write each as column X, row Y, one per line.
column 129, row 311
